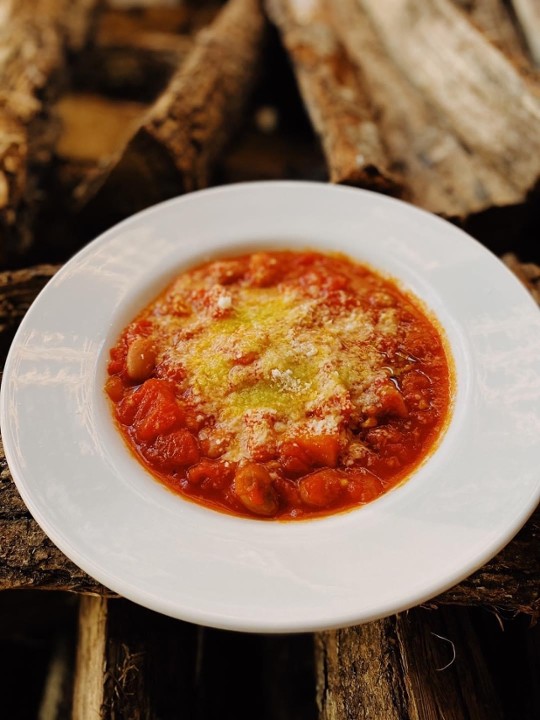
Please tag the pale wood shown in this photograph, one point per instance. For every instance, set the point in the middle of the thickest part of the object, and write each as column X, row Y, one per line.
column 495, row 21
column 35, row 36
column 88, row 690
column 528, row 14
column 455, row 114
column 175, row 148
column 335, row 99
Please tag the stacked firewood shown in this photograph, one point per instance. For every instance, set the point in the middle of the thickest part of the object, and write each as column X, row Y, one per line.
column 436, row 101
column 105, row 110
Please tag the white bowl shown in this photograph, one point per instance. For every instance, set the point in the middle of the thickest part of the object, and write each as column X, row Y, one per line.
column 107, row 514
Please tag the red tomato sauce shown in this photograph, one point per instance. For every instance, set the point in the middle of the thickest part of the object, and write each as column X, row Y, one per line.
column 281, row 385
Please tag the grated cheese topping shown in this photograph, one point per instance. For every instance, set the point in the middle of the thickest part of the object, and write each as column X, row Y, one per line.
column 264, row 362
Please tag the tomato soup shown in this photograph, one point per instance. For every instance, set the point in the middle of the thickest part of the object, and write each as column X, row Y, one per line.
column 281, row 385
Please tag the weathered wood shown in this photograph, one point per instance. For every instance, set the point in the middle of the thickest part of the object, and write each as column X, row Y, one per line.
column 175, row 148
column 335, row 99
column 454, row 113
column 18, row 290
column 419, row 666
column 496, row 22
column 35, row 36
column 528, row 14
column 88, row 687
column 359, row 673
column 133, row 663
column 528, row 273
column 509, row 581
column 29, row 560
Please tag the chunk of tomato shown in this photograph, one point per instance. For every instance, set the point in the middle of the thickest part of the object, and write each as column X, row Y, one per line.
column 320, row 449
column 151, row 410
column 363, row 486
column 174, row 451
column 322, row 488
column 210, row 474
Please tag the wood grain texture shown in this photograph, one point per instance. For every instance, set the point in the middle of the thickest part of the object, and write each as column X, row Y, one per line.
column 35, row 37
column 495, row 20
column 456, row 116
column 88, row 687
column 133, row 663
column 445, row 673
column 359, row 673
column 175, row 148
column 528, row 15
column 337, row 104
column 423, row 665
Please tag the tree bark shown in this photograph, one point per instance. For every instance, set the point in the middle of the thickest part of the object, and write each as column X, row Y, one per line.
column 176, row 146
column 337, row 104
column 88, row 686
column 454, row 113
column 424, row 665
column 35, row 37
column 360, row 673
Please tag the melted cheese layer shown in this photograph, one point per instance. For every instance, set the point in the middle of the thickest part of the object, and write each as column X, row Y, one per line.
column 271, row 364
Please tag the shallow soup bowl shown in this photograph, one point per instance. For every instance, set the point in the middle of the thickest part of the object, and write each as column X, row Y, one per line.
column 108, row 515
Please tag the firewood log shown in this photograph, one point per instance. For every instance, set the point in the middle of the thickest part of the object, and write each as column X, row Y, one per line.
column 454, row 111
column 409, row 667
column 184, row 132
column 338, row 106
column 132, row 663
column 495, row 20
column 528, row 15
column 35, row 36
column 457, row 120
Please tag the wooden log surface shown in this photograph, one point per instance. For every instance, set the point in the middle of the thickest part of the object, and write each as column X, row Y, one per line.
column 35, row 36
column 496, row 21
column 528, row 15
column 28, row 559
column 335, row 99
column 458, row 120
column 134, row 663
column 420, row 665
column 180, row 138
